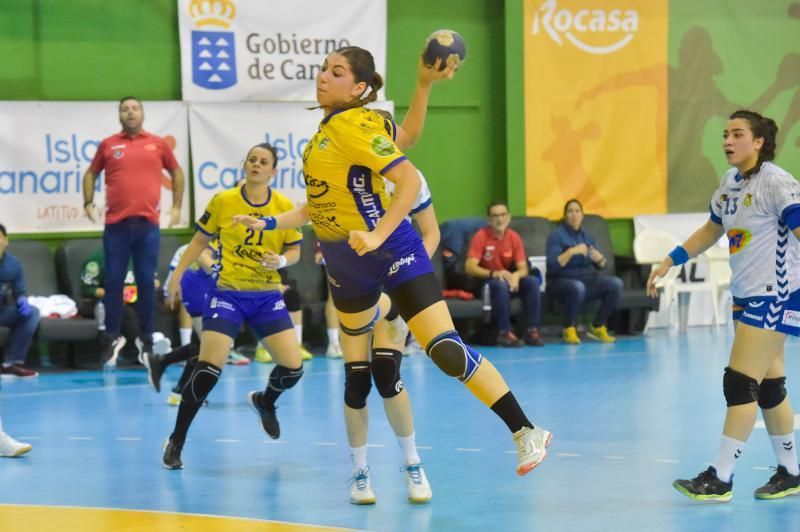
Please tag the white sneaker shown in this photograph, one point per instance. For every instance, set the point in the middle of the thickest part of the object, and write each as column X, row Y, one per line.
column 360, row 488
column 112, row 351
column 531, row 448
column 11, row 447
column 419, row 490
column 334, row 350
column 398, row 330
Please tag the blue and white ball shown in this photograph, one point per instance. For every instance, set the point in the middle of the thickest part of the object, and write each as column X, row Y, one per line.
column 446, row 45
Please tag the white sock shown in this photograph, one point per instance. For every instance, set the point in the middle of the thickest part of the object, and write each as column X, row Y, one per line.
column 186, row 335
column 729, row 451
column 333, row 335
column 786, row 452
column 359, row 456
column 298, row 330
column 409, row 447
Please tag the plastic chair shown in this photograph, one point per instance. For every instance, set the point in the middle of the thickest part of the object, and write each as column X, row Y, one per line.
column 719, row 273
column 650, row 247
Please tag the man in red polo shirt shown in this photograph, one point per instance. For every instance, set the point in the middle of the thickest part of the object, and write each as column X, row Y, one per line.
column 497, row 256
column 133, row 160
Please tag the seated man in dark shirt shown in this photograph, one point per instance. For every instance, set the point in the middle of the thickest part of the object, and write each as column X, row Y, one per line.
column 497, row 257
column 15, row 313
column 573, row 275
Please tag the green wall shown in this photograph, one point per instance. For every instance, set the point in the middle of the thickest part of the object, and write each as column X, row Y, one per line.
column 104, row 49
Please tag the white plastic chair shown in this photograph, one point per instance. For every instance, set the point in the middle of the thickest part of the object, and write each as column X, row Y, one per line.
column 650, row 247
column 719, row 274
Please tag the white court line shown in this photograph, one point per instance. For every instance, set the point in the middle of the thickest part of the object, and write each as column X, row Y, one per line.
column 568, row 455
column 29, row 438
column 612, row 457
column 759, row 468
column 665, row 460
column 308, row 375
column 468, row 450
column 324, row 443
column 275, row 441
column 378, row 445
column 123, row 438
column 424, row 447
column 80, row 438
column 226, row 440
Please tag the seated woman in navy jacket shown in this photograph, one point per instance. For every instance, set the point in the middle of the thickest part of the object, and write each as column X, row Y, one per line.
column 573, row 275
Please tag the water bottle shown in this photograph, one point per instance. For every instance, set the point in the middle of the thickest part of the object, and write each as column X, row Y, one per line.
column 486, row 295
column 100, row 316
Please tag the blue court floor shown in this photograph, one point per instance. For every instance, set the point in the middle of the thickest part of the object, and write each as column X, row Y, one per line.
column 627, row 419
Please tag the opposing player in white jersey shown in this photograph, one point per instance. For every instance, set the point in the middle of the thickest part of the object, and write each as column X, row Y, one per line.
column 758, row 206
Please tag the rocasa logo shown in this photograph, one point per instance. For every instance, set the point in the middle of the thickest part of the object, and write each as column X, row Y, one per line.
column 213, row 52
column 581, row 27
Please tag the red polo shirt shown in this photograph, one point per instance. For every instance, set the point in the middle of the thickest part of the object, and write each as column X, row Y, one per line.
column 133, row 174
column 496, row 253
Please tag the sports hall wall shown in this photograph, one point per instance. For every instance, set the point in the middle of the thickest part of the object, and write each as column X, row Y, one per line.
column 103, row 50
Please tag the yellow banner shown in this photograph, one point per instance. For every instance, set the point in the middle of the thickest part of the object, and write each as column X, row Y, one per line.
column 596, row 106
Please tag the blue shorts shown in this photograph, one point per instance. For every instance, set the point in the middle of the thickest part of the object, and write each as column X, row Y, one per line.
column 399, row 259
column 195, row 284
column 226, row 311
column 767, row 313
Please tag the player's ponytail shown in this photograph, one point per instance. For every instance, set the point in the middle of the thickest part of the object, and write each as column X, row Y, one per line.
column 362, row 65
column 762, row 128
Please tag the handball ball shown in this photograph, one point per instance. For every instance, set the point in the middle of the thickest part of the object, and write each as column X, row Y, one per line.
column 446, row 45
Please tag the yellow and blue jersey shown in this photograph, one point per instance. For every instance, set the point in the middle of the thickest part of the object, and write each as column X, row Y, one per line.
column 241, row 249
column 342, row 164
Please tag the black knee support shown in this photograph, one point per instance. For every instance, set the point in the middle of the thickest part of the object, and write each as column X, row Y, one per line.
column 357, row 383
column 739, row 389
column 282, row 378
column 386, row 372
column 292, row 299
column 203, row 379
column 453, row 356
column 772, row 392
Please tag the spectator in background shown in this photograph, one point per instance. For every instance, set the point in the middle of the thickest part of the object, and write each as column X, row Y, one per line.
column 133, row 160
column 573, row 275
column 93, row 291
column 15, row 313
column 497, row 258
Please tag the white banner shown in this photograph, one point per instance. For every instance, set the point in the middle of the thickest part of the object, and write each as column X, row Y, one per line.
column 46, row 147
column 252, row 50
column 222, row 133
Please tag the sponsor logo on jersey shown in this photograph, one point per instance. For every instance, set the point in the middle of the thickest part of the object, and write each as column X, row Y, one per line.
column 405, row 261
column 748, row 199
column 738, row 239
column 382, row 146
column 791, row 318
column 279, row 305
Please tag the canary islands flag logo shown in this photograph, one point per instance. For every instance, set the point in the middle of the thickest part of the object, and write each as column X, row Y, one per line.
column 213, row 50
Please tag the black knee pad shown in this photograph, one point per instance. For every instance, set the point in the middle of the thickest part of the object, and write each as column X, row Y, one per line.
column 386, row 372
column 203, row 379
column 292, row 299
column 453, row 356
column 357, row 383
column 739, row 389
column 772, row 392
column 282, row 378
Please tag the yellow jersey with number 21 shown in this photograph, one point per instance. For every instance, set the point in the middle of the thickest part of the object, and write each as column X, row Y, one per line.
column 240, row 248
